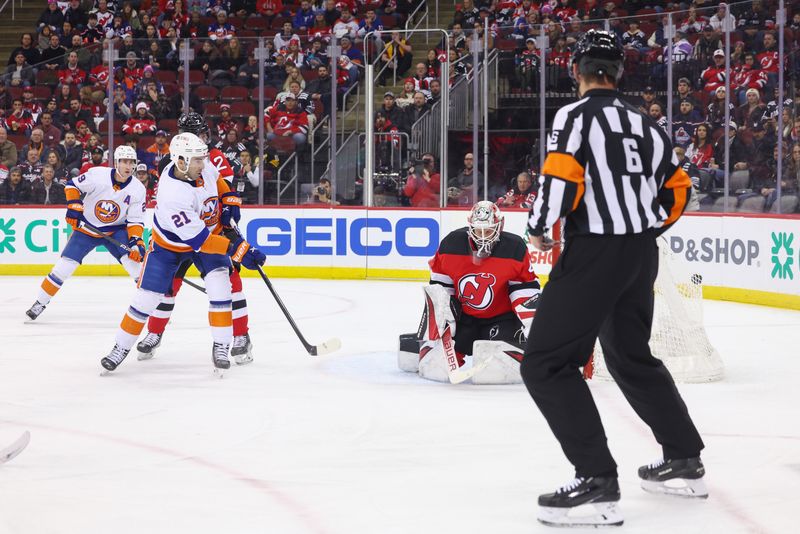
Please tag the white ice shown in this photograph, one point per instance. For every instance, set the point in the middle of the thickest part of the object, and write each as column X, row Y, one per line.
column 347, row 443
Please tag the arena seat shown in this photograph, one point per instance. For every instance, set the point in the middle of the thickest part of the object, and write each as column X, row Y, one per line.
column 233, row 93
column 206, row 92
column 166, row 76
column 242, row 109
column 754, row 204
column 788, row 204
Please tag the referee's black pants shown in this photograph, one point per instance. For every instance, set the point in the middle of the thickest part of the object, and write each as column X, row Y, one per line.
column 603, row 285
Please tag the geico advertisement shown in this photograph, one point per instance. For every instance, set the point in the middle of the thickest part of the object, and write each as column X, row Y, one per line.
column 317, row 237
column 742, row 252
column 343, row 237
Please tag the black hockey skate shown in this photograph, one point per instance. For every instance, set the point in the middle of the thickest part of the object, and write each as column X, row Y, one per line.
column 147, row 347
column 682, row 478
column 242, row 349
column 35, row 310
column 219, row 355
column 584, row 502
column 114, row 358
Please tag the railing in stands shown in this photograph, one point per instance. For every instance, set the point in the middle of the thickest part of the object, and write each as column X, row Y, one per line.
column 354, row 93
column 13, row 10
column 291, row 163
column 316, row 148
column 346, row 162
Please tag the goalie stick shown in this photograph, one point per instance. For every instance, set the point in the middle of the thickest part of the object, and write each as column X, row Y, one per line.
column 15, row 448
column 455, row 373
column 126, row 248
column 326, row 347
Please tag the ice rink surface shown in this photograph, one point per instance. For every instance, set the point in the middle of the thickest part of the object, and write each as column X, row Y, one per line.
column 347, row 443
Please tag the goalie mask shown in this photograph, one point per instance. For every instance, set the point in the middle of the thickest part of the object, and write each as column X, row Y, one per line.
column 485, row 223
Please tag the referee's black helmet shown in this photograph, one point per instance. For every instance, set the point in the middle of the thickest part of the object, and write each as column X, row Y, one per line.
column 600, row 53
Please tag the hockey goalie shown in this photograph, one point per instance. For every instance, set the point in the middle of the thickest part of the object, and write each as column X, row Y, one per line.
column 480, row 302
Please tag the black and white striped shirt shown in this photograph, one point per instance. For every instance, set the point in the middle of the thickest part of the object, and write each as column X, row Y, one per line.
column 609, row 169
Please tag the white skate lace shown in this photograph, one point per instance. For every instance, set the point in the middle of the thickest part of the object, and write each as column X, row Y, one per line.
column 656, row 464
column 117, row 354
column 220, row 352
column 151, row 339
column 239, row 342
column 570, row 485
column 37, row 307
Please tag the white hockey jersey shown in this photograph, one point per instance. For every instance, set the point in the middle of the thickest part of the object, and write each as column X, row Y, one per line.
column 187, row 211
column 107, row 204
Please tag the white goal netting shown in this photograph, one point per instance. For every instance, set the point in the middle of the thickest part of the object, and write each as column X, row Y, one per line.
column 679, row 336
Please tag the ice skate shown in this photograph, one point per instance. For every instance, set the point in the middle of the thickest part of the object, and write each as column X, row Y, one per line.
column 584, row 502
column 219, row 355
column 35, row 310
column 242, row 349
column 114, row 358
column 147, row 347
column 682, row 478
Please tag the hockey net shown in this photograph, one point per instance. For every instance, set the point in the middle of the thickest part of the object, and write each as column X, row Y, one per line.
column 678, row 336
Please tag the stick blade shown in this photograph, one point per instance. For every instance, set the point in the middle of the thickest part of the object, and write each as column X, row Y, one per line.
column 462, row 375
column 15, row 448
column 332, row 345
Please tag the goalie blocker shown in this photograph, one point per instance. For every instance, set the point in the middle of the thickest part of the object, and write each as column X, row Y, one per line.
column 480, row 302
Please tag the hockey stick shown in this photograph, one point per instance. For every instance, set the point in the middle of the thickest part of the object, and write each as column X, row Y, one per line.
column 126, row 248
column 196, row 286
column 331, row 345
column 108, row 238
column 15, row 448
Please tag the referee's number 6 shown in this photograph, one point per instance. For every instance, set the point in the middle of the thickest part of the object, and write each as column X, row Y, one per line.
column 632, row 158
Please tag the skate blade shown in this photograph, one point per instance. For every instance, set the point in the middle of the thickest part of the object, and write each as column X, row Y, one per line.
column 219, row 372
column 143, row 356
column 678, row 487
column 604, row 514
column 243, row 359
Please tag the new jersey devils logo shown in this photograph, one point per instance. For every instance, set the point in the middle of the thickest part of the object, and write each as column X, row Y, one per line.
column 477, row 290
column 106, row 211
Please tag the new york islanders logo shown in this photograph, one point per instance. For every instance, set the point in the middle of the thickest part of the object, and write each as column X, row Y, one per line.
column 210, row 213
column 107, row 211
column 477, row 290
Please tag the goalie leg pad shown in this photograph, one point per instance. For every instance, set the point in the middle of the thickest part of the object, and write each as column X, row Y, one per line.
column 439, row 311
column 496, row 362
column 408, row 353
column 432, row 361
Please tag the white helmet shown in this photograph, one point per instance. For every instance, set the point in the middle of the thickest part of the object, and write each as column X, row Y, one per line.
column 485, row 224
column 125, row 152
column 186, row 146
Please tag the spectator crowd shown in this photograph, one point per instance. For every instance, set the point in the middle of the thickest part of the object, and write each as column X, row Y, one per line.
column 59, row 93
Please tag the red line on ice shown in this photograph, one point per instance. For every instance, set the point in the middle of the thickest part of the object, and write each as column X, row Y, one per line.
column 305, row 515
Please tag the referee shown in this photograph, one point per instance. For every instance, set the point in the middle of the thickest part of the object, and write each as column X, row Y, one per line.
column 611, row 172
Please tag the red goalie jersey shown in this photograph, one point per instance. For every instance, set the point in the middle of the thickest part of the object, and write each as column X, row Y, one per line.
column 485, row 287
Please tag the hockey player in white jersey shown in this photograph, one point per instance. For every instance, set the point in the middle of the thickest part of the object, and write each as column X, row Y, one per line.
column 186, row 227
column 113, row 201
